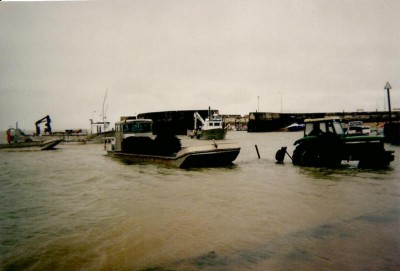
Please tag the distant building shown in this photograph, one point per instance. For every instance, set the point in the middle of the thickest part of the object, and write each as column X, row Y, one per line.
column 98, row 127
column 236, row 122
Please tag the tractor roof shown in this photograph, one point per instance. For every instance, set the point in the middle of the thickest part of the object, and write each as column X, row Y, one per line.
column 333, row 118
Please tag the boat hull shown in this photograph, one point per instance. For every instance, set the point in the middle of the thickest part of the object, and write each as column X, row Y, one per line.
column 210, row 159
column 216, row 134
column 31, row 146
column 295, row 128
column 212, row 155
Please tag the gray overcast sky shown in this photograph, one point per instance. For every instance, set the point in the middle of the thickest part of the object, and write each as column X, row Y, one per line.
column 58, row 58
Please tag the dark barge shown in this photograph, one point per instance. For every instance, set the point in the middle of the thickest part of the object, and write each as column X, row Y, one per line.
column 175, row 122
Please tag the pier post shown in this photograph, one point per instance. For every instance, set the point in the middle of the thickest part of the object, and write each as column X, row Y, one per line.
column 258, row 154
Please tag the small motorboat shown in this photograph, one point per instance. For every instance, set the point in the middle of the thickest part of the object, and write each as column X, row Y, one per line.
column 294, row 127
column 17, row 140
column 213, row 127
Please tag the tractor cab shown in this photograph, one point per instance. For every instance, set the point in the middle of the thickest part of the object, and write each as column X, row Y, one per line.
column 329, row 125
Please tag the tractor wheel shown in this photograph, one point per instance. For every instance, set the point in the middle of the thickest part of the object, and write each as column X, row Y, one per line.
column 297, row 155
column 305, row 155
column 310, row 158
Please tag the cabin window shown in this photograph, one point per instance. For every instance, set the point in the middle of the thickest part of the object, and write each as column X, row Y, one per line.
column 338, row 128
column 315, row 128
column 330, row 127
column 144, row 127
column 211, row 124
column 134, row 127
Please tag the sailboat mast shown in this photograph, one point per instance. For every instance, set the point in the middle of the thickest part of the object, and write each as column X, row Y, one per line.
column 104, row 120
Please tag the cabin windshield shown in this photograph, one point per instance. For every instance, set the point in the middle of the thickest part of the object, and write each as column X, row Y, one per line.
column 216, row 124
column 314, row 128
column 136, row 127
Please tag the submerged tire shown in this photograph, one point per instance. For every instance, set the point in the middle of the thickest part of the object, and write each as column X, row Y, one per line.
column 280, row 155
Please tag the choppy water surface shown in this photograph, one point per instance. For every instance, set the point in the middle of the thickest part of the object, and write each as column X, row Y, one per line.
column 76, row 209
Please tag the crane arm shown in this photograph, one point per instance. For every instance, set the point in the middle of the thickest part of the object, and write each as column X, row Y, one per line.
column 48, row 126
column 198, row 117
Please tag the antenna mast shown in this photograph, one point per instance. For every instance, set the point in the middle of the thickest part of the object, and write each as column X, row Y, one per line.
column 104, row 120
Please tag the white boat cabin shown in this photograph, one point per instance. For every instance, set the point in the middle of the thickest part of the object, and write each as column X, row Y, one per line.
column 130, row 128
column 214, row 123
column 209, row 123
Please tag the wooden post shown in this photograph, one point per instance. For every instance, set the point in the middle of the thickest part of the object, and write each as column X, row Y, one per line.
column 258, row 154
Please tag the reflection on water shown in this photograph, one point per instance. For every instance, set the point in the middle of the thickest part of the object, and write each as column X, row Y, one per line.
column 75, row 208
column 343, row 172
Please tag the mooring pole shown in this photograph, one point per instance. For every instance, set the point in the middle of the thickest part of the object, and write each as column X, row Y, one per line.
column 104, row 121
column 388, row 88
column 289, row 155
column 258, row 154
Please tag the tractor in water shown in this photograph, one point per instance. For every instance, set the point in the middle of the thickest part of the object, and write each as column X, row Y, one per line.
column 325, row 144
